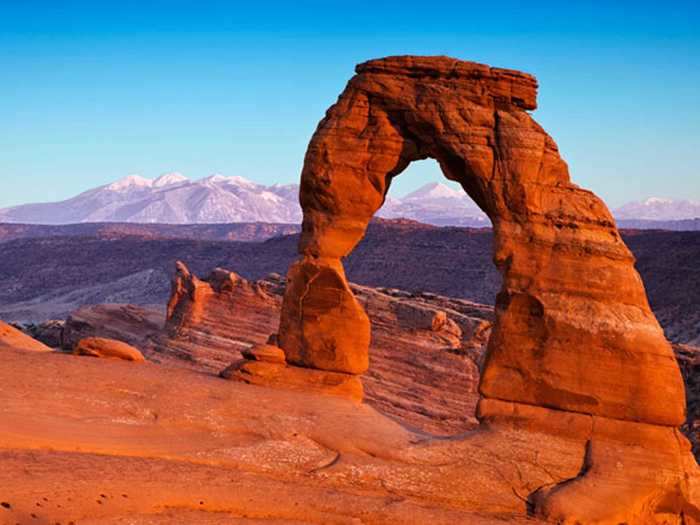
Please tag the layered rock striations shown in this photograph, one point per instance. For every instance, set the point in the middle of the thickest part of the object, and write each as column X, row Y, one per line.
column 574, row 336
column 210, row 321
column 426, row 349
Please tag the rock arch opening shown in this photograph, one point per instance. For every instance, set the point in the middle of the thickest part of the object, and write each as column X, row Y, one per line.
column 422, row 193
column 428, row 337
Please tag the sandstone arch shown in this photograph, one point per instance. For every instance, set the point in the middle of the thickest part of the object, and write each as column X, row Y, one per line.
column 574, row 328
column 575, row 347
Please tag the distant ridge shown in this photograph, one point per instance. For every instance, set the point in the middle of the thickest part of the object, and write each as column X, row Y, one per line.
column 169, row 199
column 687, row 225
column 173, row 199
column 239, row 231
column 657, row 209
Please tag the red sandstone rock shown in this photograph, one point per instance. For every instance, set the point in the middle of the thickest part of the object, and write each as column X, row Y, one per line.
column 168, row 445
column 108, row 348
column 176, row 446
column 407, row 354
column 570, row 292
column 210, row 321
column 425, row 378
column 554, row 442
column 412, row 316
column 573, row 329
column 322, row 323
column 13, row 339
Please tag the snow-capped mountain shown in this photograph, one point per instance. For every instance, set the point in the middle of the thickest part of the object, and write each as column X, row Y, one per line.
column 656, row 209
column 170, row 199
column 436, row 203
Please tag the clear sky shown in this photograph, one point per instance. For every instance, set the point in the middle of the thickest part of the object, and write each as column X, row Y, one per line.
column 91, row 91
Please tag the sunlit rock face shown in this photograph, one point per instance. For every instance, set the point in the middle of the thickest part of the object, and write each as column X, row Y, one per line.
column 574, row 338
column 425, row 353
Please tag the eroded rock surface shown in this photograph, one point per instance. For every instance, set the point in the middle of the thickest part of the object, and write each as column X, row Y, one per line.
column 209, row 321
column 48, row 332
column 570, row 293
column 148, row 444
column 420, row 377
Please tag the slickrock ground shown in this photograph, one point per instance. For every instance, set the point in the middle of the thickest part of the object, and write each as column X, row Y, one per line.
column 111, row 442
column 105, row 441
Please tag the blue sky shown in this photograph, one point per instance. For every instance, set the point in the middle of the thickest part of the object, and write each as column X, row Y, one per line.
column 93, row 91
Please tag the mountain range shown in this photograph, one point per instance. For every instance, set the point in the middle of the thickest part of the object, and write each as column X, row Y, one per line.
column 174, row 199
column 169, row 199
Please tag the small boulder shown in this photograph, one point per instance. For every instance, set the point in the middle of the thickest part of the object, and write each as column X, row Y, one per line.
column 107, row 348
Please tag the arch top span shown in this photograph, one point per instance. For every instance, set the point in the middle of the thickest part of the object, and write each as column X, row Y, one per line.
column 515, row 87
column 471, row 118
